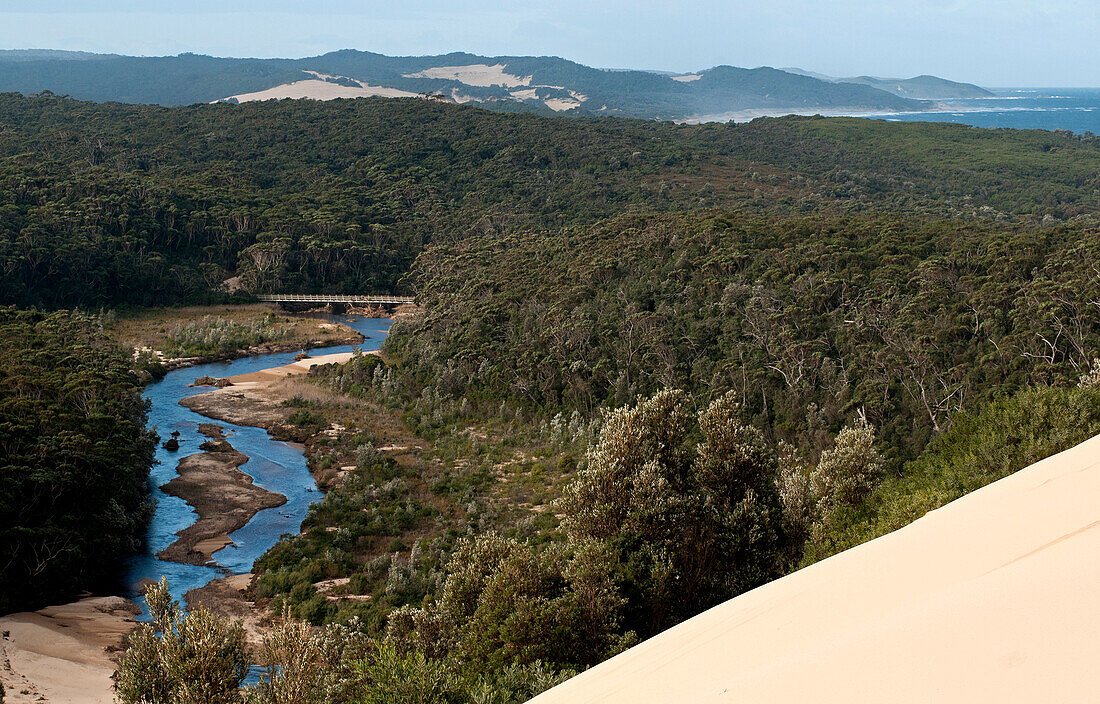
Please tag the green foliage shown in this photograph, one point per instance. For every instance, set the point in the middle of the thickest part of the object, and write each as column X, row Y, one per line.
column 144, row 205
column 1005, row 436
column 214, row 335
column 182, row 658
column 304, row 418
column 805, row 318
column 505, row 603
column 849, row 471
column 693, row 524
column 74, row 457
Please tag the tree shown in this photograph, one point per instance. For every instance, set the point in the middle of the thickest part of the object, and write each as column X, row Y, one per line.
column 507, row 602
column 692, row 525
column 850, row 471
column 182, row 657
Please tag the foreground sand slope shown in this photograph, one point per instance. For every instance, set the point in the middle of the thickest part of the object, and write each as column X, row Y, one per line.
column 63, row 654
column 993, row 597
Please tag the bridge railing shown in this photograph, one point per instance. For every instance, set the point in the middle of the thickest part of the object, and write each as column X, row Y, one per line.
column 324, row 298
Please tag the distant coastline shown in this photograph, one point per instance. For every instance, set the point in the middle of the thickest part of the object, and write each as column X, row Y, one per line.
column 1073, row 109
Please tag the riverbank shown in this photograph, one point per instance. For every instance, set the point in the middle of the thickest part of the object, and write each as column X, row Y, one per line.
column 64, row 654
column 173, row 338
column 255, row 399
column 224, row 497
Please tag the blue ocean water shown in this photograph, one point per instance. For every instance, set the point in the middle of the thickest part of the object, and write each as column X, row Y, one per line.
column 1073, row 109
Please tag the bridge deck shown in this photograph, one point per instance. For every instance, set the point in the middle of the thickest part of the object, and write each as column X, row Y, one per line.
column 322, row 298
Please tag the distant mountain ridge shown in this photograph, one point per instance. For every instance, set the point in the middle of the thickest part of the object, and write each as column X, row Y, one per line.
column 922, row 87
column 539, row 84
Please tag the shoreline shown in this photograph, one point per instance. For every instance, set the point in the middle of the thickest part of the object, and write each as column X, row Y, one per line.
column 67, row 653
column 224, row 497
column 174, row 363
column 244, row 401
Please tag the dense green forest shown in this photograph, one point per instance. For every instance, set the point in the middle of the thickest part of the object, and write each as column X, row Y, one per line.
column 653, row 365
column 74, row 457
column 111, row 204
column 806, row 318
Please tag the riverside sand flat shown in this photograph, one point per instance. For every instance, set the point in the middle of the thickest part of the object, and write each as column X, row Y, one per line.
column 989, row 598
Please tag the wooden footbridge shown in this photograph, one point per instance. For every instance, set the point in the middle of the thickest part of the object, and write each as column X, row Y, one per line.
column 288, row 299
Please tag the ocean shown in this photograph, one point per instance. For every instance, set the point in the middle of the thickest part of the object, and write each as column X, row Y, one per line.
column 1073, row 109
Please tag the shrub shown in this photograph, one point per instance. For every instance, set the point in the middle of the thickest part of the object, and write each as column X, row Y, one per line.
column 182, row 658
column 850, row 471
column 1004, row 437
column 692, row 524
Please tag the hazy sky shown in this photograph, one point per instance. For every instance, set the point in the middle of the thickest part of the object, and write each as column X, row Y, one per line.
column 992, row 42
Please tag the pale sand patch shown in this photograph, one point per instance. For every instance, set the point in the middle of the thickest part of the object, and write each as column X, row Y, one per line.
column 474, row 75
column 991, row 598
column 317, row 89
column 300, row 367
column 59, row 654
column 525, row 94
column 561, row 104
column 686, row 78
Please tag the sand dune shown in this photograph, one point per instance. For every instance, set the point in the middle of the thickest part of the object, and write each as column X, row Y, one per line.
column 481, row 75
column 990, row 598
column 317, row 89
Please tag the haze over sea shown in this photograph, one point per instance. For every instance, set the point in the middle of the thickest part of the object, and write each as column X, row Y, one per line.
column 1074, row 109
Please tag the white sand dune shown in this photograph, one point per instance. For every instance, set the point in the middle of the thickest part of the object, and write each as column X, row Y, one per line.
column 317, row 89
column 481, row 75
column 992, row 598
column 561, row 104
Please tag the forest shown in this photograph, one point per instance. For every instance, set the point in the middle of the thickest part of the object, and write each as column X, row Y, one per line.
column 119, row 204
column 653, row 365
column 74, row 457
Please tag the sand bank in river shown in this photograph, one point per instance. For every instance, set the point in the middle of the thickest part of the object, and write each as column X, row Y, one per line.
column 223, row 496
column 251, row 400
column 63, row 654
column 991, row 598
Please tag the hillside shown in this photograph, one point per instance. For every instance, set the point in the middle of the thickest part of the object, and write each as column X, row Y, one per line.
column 150, row 205
column 922, row 87
column 969, row 603
column 547, row 85
column 918, row 88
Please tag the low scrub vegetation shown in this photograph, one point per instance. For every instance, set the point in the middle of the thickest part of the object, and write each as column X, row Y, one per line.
column 215, row 335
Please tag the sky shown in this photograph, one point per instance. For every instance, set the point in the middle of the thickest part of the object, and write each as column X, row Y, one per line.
column 996, row 43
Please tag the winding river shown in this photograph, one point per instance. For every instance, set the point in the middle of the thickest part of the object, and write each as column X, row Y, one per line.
column 273, row 464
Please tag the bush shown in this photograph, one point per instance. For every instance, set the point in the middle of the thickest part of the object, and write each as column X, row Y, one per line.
column 306, row 419
column 182, row 658
column 692, row 524
column 1006, row 436
column 850, row 471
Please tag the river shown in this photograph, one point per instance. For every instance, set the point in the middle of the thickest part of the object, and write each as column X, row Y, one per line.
column 273, row 464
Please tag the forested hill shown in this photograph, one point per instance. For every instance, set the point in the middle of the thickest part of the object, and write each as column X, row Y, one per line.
column 109, row 203
column 805, row 318
column 544, row 84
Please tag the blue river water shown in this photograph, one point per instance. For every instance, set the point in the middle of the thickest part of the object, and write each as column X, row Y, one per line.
column 274, row 465
column 1074, row 109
